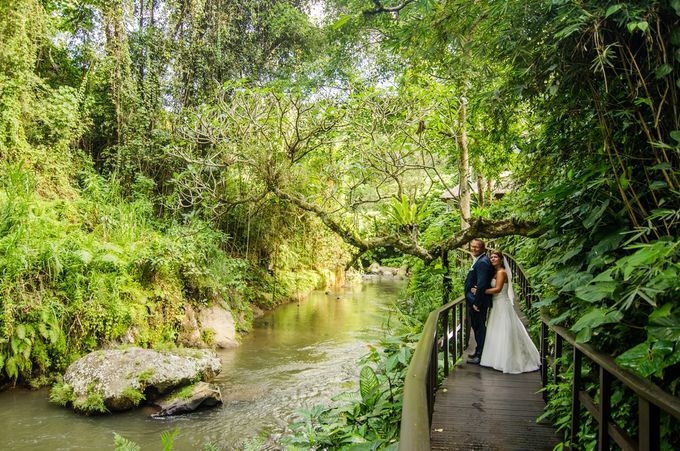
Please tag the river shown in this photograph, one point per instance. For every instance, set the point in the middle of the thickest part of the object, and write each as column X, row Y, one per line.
column 296, row 356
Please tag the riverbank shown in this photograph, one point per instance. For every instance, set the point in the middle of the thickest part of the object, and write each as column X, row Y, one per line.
column 297, row 355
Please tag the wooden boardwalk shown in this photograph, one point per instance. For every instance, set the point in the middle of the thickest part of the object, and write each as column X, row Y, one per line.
column 480, row 408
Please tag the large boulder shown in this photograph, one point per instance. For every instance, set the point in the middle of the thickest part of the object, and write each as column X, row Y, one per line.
column 190, row 332
column 218, row 327
column 188, row 399
column 119, row 379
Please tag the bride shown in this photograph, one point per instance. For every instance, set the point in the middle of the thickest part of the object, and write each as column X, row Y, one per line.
column 508, row 347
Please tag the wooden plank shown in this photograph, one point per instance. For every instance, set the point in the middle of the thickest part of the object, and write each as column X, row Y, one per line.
column 480, row 408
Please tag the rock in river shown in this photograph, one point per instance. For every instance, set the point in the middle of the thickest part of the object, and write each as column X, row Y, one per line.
column 189, row 399
column 119, row 379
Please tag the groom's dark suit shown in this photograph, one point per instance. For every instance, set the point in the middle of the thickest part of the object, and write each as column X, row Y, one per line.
column 480, row 276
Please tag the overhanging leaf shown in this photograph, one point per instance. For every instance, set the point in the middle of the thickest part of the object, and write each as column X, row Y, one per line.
column 584, row 335
column 612, row 9
column 665, row 328
column 597, row 317
column 648, row 358
column 596, row 292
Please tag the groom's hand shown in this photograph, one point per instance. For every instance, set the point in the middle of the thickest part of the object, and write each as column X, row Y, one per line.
column 475, row 308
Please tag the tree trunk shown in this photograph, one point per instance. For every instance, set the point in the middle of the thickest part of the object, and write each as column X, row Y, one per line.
column 465, row 175
column 480, row 191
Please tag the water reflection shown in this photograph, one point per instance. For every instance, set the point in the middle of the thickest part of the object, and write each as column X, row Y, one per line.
column 299, row 355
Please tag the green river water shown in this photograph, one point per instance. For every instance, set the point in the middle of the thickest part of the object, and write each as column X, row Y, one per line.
column 296, row 356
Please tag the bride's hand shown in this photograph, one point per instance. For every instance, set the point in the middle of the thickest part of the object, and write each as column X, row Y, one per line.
column 474, row 290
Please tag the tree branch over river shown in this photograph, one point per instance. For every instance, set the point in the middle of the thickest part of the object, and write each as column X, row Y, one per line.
column 366, row 166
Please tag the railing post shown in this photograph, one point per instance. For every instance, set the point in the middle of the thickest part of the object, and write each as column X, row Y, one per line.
column 649, row 439
column 446, row 342
column 454, row 337
column 434, row 366
column 544, row 358
column 558, row 355
column 575, row 399
column 605, row 409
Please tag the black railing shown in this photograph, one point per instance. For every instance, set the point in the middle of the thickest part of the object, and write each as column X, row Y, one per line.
column 651, row 399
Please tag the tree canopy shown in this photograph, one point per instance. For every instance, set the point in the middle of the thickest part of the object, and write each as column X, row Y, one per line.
column 313, row 134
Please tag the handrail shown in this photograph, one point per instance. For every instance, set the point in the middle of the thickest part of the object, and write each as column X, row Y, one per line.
column 421, row 377
column 520, row 282
column 651, row 398
column 421, row 381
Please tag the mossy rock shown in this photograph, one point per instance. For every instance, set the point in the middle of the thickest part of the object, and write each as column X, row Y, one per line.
column 114, row 380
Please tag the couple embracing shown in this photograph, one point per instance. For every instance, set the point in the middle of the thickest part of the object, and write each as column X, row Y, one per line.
column 502, row 342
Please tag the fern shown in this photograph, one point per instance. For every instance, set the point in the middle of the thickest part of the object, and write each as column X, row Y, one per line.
column 168, row 438
column 123, row 444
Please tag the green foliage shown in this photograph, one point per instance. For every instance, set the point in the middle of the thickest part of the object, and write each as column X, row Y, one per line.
column 123, row 444
column 77, row 274
column 62, row 394
column 168, row 438
column 133, row 395
column 185, row 392
column 93, row 404
column 145, row 376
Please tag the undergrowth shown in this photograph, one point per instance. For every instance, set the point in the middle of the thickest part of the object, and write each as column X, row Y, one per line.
column 102, row 269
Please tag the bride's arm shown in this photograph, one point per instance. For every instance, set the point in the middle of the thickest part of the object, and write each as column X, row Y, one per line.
column 501, row 277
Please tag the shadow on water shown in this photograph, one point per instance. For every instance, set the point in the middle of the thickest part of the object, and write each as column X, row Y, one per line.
column 296, row 356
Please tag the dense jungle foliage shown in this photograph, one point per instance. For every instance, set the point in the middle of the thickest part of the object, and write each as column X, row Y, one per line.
column 161, row 155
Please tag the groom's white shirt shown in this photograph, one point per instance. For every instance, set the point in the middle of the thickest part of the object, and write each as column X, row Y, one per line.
column 475, row 261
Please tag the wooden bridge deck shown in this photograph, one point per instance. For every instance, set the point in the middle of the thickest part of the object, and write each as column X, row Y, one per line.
column 480, row 408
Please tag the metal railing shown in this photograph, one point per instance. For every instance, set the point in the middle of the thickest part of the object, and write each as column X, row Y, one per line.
column 651, row 399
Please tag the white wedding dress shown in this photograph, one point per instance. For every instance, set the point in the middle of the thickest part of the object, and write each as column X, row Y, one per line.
column 508, row 347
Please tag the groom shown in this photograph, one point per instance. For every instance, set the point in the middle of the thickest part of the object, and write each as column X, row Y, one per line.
column 478, row 303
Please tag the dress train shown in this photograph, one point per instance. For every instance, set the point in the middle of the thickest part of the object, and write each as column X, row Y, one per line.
column 508, row 347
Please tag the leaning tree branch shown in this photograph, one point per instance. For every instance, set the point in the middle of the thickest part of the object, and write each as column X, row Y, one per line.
column 349, row 236
column 479, row 228
column 483, row 228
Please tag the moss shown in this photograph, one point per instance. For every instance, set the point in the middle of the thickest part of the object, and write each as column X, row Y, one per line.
column 145, row 376
column 133, row 395
column 190, row 353
column 62, row 394
column 184, row 392
column 208, row 336
column 93, row 404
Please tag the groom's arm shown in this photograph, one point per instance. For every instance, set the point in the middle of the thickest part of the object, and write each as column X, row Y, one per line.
column 484, row 275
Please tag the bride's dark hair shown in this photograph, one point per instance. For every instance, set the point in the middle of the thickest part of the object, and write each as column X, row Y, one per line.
column 499, row 254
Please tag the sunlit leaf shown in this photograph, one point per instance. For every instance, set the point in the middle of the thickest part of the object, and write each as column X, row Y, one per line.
column 368, row 382
column 612, row 9
column 647, row 358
